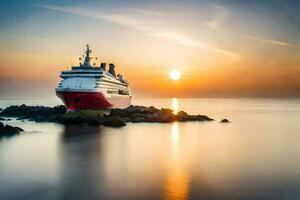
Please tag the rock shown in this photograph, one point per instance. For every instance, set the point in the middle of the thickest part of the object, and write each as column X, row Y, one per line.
column 115, row 121
column 203, row 118
column 1, row 127
column 72, row 118
column 138, row 120
column 40, row 118
column 165, row 115
column 182, row 113
column 21, row 118
column 119, row 112
column 224, row 121
column 152, row 109
column 182, row 116
column 93, row 117
column 7, row 130
column 27, row 112
column 19, row 129
column 81, row 117
column 166, row 111
column 117, row 117
column 11, row 130
column 135, row 109
column 137, row 115
column 150, row 118
column 151, row 114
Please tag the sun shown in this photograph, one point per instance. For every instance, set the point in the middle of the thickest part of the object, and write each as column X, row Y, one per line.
column 175, row 74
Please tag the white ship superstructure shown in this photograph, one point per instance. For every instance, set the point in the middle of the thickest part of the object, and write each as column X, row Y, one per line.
column 89, row 87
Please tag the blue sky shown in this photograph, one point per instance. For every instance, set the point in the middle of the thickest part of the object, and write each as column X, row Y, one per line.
column 255, row 43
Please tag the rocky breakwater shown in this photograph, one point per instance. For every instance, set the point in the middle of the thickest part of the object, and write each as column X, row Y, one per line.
column 113, row 118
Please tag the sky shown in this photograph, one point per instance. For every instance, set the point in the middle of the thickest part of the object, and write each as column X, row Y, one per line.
column 223, row 48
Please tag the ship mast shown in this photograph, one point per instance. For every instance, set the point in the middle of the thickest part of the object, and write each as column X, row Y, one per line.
column 87, row 58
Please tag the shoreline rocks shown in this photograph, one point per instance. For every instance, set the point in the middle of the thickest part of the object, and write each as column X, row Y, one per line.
column 115, row 118
column 8, row 131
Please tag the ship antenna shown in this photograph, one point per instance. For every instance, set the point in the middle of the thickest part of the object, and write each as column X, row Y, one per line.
column 87, row 57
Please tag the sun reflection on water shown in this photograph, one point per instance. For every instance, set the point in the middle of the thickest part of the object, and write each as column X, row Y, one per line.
column 177, row 181
column 175, row 134
column 175, row 106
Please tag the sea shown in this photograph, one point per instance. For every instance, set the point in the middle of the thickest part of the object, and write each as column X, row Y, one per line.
column 255, row 156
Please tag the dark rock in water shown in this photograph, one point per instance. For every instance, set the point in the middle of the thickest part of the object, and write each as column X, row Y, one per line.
column 224, row 121
column 116, row 117
column 164, row 116
column 21, row 118
column 40, row 118
column 27, row 112
column 138, row 120
column 81, row 117
column 119, row 112
column 137, row 115
column 7, row 130
column 19, row 129
column 12, row 129
column 135, row 109
column 114, row 121
column 1, row 127
column 152, row 109
column 72, row 118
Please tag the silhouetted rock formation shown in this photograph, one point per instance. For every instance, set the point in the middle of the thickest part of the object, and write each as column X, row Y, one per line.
column 116, row 117
column 7, row 130
column 224, row 121
column 40, row 113
column 114, row 121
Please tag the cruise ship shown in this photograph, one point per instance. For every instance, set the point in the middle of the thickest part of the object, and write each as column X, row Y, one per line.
column 93, row 87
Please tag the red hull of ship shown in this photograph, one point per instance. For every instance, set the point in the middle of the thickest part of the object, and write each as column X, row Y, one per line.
column 91, row 100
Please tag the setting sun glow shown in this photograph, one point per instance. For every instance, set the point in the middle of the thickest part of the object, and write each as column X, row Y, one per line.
column 175, row 74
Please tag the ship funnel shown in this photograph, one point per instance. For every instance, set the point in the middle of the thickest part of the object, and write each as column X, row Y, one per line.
column 112, row 69
column 103, row 66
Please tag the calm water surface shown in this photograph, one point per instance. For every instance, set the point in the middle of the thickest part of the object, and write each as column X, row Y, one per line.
column 254, row 157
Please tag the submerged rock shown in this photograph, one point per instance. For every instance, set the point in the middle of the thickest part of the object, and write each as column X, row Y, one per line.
column 7, row 130
column 224, row 121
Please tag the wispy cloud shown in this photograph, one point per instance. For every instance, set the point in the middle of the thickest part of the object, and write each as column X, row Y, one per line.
column 222, row 14
column 139, row 19
column 180, row 39
column 144, row 11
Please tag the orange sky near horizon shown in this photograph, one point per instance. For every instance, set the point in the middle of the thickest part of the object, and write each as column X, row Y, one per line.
column 154, row 81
